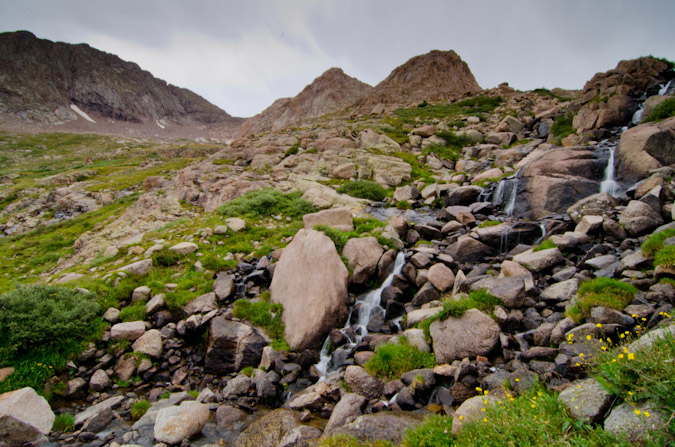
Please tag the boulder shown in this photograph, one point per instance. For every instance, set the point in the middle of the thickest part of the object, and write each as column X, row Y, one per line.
column 507, row 235
column 464, row 195
column 184, row 248
column 536, row 261
column 99, row 381
column 310, row 281
column 223, row 286
column 363, row 383
column 269, row 430
column 176, row 423
column 235, row 224
column 513, row 269
column 646, row 147
column 586, row 400
column 91, row 412
column 232, row 346
column 349, row 405
column 24, row 417
column 467, row 249
column 156, row 303
column 594, row 205
column 639, row 218
column 424, row 131
column 560, row 291
column 127, row 331
column 338, row 218
column 202, row 304
column 474, row 333
column 589, row 224
column 141, row 293
column 470, row 410
column 139, row 268
column 510, row 289
column 387, row 426
column 149, row 343
column 227, row 416
column 362, row 256
column 441, row 277
column 630, row 419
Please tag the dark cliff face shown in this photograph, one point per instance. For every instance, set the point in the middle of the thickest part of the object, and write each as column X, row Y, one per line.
column 40, row 79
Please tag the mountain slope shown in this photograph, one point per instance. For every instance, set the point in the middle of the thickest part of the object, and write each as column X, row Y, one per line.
column 435, row 76
column 327, row 93
column 40, row 80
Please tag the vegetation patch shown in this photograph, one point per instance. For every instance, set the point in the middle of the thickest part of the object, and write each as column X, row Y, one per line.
column 662, row 111
column 605, row 292
column 478, row 299
column 40, row 327
column 433, row 432
column 392, row 360
column 266, row 315
column 656, row 241
column 489, row 223
column 547, row 92
column 343, row 440
column 362, row 228
column 64, row 422
column 665, row 257
column 562, row 127
column 267, row 202
column 395, row 133
column 479, row 104
column 139, row 408
column 133, row 312
column 545, row 245
column 364, row 189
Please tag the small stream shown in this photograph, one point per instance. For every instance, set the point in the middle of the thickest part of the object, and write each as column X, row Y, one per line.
column 366, row 305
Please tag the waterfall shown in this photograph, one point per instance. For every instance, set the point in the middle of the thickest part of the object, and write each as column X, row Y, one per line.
column 506, row 192
column 369, row 304
column 609, row 184
column 664, row 88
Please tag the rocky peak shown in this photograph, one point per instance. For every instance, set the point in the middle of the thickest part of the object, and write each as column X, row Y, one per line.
column 640, row 74
column 435, row 76
column 40, row 80
column 327, row 93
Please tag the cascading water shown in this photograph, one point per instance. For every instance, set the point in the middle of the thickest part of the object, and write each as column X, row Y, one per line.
column 506, row 192
column 609, row 184
column 368, row 304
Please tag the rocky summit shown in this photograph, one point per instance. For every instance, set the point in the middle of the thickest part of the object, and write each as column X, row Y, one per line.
column 423, row 262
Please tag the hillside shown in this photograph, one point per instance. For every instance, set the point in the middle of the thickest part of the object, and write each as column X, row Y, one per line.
column 41, row 81
column 465, row 267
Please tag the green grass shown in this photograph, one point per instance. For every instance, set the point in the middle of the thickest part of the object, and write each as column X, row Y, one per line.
column 662, row 111
column 361, row 229
column 343, row 440
column 472, row 106
column 392, row 360
column 64, row 422
column 433, row 432
column 665, row 257
column 267, row 202
column 562, row 127
column 489, row 223
column 265, row 315
column 478, row 299
column 30, row 254
column 547, row 92
column 395, row 133
column 139, row 408
column 364, row 189
column 133, row 312
column 647, row 374
column 419, row 171
column 655, row 242
column 605, row 292
column 248, row 371
column 545, row 245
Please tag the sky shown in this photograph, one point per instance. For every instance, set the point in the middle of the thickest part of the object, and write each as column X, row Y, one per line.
column 243, row 55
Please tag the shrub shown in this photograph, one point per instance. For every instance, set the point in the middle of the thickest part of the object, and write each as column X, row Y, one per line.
column 605, row 292
column 662, row 111
column 364, row 189
column 293, row 149
column 562, row 127
column 165, row 258
column 139, row 408
column 266, row 315
column 267, row 202
column 64, row 422
column 433, row 432
column 655, row 242
column 41, row 316
column 392, row 360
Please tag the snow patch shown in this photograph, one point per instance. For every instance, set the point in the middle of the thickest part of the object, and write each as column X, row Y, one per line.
column 81, row 113
column 159, row 124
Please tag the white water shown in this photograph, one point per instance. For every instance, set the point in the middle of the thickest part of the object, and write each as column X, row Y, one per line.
column 506, row 192
column 369, row 304
column 609, row 184
column 664, row 88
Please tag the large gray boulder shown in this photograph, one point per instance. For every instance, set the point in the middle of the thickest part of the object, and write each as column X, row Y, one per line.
column 638, row 218
column 310, row 281
column 338, row 218
column 586, row 400
column 362, row 256
column 269, row 430
column 388, row 426
column 363, row 383
column 149, row 343
column 127, row 331
column 24, row 417
column 536, row 261
column 350, row 405
column 470, row 410
column 474, row 333
column 646, row 147
column 632, row 421
column 176, row 423
column 233, row 345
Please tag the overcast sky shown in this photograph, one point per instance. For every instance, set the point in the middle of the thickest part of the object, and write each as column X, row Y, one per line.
column 242, row 55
